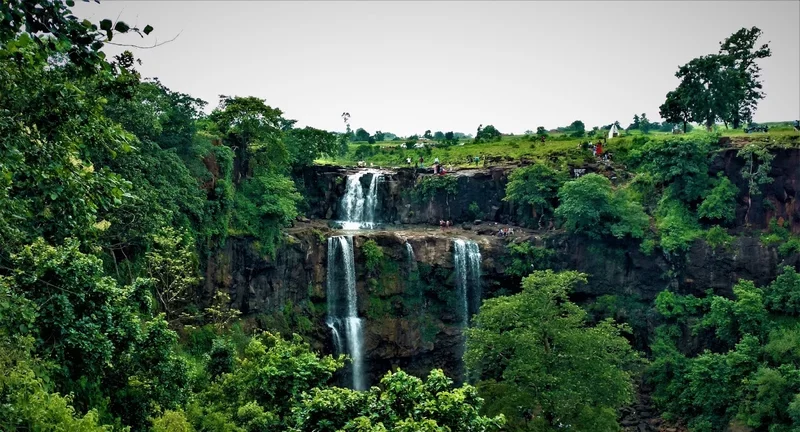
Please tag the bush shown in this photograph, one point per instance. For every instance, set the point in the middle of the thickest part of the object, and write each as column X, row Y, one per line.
column 677, row 226
column 716, row 236
column 720, row 203
column 373, row 255
column 680, row 164
column 590, row 206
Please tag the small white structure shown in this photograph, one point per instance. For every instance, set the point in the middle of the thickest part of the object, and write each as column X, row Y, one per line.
column 613, row 132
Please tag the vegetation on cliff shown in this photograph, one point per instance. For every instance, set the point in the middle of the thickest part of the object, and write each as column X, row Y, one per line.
column 114, row 191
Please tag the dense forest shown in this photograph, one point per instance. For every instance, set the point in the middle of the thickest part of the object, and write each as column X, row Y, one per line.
column 116, row 192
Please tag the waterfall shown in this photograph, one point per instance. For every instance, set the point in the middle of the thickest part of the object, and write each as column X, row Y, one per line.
column 358, row 208
column 467, row 260
column 346, row 327
column 412, row 260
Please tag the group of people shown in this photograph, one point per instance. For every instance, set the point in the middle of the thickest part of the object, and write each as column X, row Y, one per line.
column 505, row 232
column 597, row 151
column 362, row 164
column 445, row 224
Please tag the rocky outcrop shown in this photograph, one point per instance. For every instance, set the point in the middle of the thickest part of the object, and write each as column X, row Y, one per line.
column 411, row 307
column 480, row 191
column 324, row 186
column 779, row 199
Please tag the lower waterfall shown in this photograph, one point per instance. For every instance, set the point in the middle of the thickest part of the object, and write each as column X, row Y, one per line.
column 467, row 260
column 343, row 320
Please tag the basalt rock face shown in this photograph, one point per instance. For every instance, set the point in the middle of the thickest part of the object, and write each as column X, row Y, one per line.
column 779, row 199
column 409, row 306
column 323, row 188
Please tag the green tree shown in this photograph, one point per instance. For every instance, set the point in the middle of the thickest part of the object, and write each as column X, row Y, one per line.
column 636, row 122
column 680, row 164
column 362, row 135
column 590, row 206
column 724, row 86
column 401, row 403
column 487, row 134
column 427, row 134
column 740, row 54
column 720, row 203
column 577, row 129
column 676, row 108
column 438, row 136
column 535, row 186
column 174, row 269
column 547, row 368
column 380, row 136
column 644, row 124
column 305, row 145
column 541, row 132
column 450, row 139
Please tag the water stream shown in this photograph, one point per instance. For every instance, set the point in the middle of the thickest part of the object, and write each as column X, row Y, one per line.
column 359, row 208
column 343, row 320
column 467, row 261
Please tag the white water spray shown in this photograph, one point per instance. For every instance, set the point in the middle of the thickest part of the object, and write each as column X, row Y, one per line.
column 358, row 209
column 343, row 320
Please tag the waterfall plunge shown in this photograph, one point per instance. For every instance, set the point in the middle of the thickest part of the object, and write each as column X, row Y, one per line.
column 343, row 320
column 467, row 260
column 358, row 208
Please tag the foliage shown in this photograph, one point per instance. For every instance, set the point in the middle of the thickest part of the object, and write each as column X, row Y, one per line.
column 262, row 206
column 752, row 379
column 524, row 257
column 487, row 134
column 677, row 226
column 576, row 129
column 678, row 164
column 307, row 144
column 590, row 206
column 362, row 135
column 173, row 267
column 720, row 203
column 758, row 163
column 724, row 86
column 546, row 367
column 535, row 186
column 716, row 236
column 373, row 255
column 429, row 187
column 401, row 403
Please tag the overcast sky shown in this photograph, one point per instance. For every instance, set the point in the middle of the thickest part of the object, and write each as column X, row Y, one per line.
column 405, row 67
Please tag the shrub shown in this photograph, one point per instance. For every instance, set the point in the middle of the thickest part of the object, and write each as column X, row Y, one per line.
column 677, row 226
column 590, row 206
column 373, row 255
column 716, row 236
column 720, row 203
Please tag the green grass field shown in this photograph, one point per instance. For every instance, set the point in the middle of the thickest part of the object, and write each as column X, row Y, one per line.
column 558, row 149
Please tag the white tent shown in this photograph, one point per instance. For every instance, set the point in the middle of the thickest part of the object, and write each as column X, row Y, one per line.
column 613, row 131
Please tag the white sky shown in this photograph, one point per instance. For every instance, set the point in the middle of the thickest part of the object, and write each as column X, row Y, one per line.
column 405, row 67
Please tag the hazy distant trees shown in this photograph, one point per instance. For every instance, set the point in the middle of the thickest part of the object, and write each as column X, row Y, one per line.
column 379, row 136
column 487, row 134
column 635, row 124
column 644, row 124
column 438, row 136
column 427, row 134
column 576, row 129
column 362, row 135
column 725, row 86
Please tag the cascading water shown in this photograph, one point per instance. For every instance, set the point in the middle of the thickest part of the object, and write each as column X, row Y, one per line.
column 343, row 320
column 359, row 208
column 467, row 259
column 412, row 260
